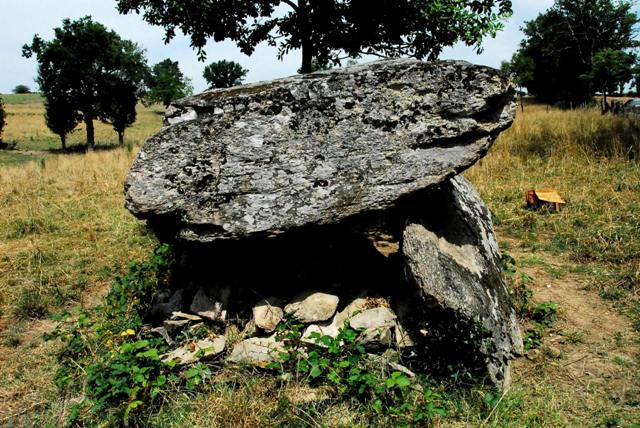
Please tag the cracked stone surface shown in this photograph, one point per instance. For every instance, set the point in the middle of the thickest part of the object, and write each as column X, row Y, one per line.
column 261, row 159
column 451, row 256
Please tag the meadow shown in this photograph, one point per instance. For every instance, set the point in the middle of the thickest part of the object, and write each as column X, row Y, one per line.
column 65, row 236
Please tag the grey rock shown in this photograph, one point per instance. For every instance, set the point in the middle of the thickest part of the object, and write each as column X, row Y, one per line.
column 313, row 307
column 195, row 351
column 162, row 331
column 256, row 351
column 451, row 256
column 173, row 326
column 267, row 314
column 208, row 308
column 180, row 316
column 373, row 318
column 268, row 157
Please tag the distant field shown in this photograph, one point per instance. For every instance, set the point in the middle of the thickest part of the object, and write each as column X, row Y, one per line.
column 26, row 129
column 14, row 99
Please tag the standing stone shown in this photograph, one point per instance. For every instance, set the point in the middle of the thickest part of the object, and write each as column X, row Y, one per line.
column 451, row 256
column 265, row 158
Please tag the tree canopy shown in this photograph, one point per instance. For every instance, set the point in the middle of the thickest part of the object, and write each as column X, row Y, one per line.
column 224, row 74
column 563, row 42
column 328, row 30
column 166, row 83
column 21, row 89
column 92, row 69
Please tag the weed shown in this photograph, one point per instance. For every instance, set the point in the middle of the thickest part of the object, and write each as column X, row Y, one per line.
column 343, row 363
column 31, row 304
column 575, row 337
column 545, row 313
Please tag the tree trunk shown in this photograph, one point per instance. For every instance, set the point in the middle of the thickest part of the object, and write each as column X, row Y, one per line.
column 521, row 99
column 305, row 36
column 91, row 139
column 63, row 139
column 605, row 107
column 121, row 138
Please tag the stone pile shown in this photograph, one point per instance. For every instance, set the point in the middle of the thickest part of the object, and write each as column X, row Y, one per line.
column 343, row 182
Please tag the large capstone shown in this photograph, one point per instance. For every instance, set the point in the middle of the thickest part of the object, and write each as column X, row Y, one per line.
column 261, row 159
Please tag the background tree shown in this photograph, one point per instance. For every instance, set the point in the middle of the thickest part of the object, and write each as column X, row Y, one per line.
column 328, row 30
column 2, row 118
column 521, row 69
column 60, row 116
column 563, row 41
column 123, row 89
column 22, row 89
column 82, row 61
column 166, row 83
column 611, row 69
column 224, row 74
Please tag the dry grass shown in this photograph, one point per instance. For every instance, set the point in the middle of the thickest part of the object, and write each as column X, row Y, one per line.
column 27, row 129
column 64, row 235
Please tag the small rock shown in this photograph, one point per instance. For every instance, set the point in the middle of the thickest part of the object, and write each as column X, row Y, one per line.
column 377, row 323
column 162, row 331
column 208, row 308
column 313, row 307
column 403, row 339
column 174, row 325
column 257, row 351
column 183, row 316
column 358, row 305
column 195, row 351
column 267, row 314
column 373, row 318
column 330, row 329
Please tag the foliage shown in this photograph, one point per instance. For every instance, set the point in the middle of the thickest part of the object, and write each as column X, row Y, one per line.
column 563, row 41
column 116, row 365
column 98, row 72
column 22, row 89
column 610, row 71
column 166, row 83
column 325, row 30
column 224, row 74
column 60, row 116
column 343, row 363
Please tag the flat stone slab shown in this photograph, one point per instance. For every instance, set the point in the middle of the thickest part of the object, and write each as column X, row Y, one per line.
column 265, row 158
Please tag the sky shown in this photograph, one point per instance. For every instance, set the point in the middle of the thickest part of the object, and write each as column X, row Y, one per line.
column 21, row 19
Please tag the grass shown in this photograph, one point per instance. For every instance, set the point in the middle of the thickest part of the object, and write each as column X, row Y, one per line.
column 26, row 129
column 64, row 236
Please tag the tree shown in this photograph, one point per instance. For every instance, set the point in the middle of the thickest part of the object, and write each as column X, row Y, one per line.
column 328, row 30
column 521, row 69
column 563, row 41
column 60, row 116
column 22, row 89
column 124, row 88
column 224, row 74
column 166, row 83
column 2, row 119
column 610, row 70
column 83, row 61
